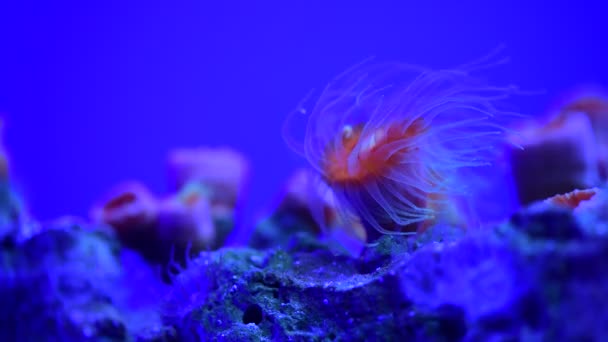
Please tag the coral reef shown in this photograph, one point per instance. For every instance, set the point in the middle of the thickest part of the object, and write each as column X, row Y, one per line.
column 200, row 213
column 157, row 268
column 540, row 275
column 71, row 283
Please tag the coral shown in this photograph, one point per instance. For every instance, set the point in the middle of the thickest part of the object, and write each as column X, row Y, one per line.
column 521, row 280
column 153, row 226
column 220, row 175
column 201, row 211
column 593, row 102
column 223, row 171
column 541, row 275
column 573, row 199
column 186, row 218
column 132, row 210
column 555, row 159
column 128, row 207
column 400, row 145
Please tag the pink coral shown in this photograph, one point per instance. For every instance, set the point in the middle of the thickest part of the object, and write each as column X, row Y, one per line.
column 223, row 172
column 127, row 206
column 152, row 225
column 557, row 157
column 186, row 217
column 593, row 102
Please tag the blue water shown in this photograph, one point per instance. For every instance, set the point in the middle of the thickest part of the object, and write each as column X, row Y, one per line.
column 96, row 94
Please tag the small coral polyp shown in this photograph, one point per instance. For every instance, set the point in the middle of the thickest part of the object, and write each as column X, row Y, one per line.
column 127, row 206
column 593, row 102
column 573, row 199
column 186, row 218
column 397, row 144
column 564, row 152
column 222, row 170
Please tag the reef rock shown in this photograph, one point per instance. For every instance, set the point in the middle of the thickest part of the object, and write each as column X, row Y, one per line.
column 541, row 275
column 68, row 282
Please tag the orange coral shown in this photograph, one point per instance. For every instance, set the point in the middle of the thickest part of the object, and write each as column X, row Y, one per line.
column 397, row 143
column 376, row 157
column 573, row 200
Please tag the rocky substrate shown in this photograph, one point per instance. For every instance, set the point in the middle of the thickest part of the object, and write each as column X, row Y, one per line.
column 542, row 275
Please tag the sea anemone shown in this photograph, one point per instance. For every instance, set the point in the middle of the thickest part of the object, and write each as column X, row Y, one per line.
column 397, row 143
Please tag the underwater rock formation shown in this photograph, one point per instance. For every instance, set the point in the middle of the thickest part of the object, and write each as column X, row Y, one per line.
column 138, row 274
column 292, row 213
column 540, row 275
column 525, row 279
column 302, row 207
column 71, row 283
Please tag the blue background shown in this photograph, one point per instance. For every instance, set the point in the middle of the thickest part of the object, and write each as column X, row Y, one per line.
column 94, row 94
